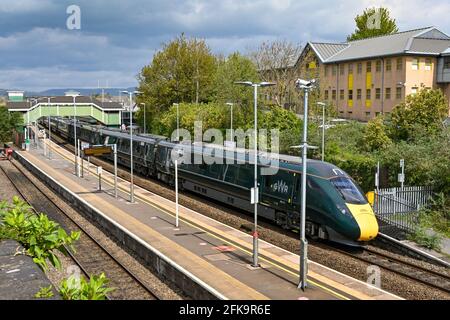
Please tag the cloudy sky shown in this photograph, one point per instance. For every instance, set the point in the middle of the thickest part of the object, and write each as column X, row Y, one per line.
column 117, row 38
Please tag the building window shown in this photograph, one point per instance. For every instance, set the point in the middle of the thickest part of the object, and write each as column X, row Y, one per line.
column 378, row 93
column 359, row 68
column 388, row 93
column 377, row 114
column 341, row 94
column 350, row 68
column 326, row 71
column 333, row 95
column 428, row 64
column 369, row 66
column 398, row 93
column 415, row 64
column 399, row 64
column 378, row 66
column 447, row 63
column 368, row 114
column 358, row 94
column 333, row 70
column 350, row 112
column 388, row 65
column 414, row 90
column 326, row 95
column 368, row 94
column 350, row 94
column 341, row 69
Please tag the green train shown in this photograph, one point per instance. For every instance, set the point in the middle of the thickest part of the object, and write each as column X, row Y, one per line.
column 337, row 209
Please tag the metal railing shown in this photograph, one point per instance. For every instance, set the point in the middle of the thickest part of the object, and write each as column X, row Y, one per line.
column 400, row 207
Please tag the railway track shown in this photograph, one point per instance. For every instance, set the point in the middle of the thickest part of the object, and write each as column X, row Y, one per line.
column 91, row 256
column 429, row 277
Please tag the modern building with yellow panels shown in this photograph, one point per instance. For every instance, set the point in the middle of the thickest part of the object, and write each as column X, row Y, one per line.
column 364, row 78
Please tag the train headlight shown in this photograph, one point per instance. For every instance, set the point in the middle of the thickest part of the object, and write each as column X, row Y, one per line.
column 344, row 210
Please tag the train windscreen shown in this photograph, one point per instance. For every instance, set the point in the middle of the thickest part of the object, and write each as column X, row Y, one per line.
column 349, row 190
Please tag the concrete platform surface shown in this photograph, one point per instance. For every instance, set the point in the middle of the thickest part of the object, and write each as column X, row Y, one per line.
column 20, row 277
column 213, row 252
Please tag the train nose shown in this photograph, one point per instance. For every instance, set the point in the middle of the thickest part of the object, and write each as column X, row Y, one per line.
column 366, row 220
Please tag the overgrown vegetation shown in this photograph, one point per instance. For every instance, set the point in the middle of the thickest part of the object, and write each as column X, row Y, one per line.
column 40, row 236
column 426, row 238
column 45, row 292
column 74, row 288
column 8, row 122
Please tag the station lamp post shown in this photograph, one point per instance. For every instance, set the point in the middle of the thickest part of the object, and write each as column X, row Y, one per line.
column 74, row 95
column 145, row 122
column 49, row 129
column 230, row 104
column 177, row 105
column 323, row 105
column 306, row 86
column 254, row 191
column 130, row 93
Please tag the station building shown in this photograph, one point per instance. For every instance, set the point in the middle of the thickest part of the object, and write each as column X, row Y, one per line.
column 106, row 113
column 364, row 78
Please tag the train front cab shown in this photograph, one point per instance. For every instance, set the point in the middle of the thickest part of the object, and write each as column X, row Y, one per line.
column 358, row 207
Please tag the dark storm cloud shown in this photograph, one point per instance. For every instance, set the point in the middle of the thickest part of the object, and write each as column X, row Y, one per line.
column 119, row 37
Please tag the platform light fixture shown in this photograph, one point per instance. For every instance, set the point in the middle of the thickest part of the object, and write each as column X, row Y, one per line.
column 323, row 105
column 74, row 95
column 306, row 86
column 145, row 111
column 131, row 93
column 230, row 104
column 177, row 105
column 254, row 191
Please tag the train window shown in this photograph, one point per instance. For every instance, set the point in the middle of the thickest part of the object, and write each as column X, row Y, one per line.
column 349, row 190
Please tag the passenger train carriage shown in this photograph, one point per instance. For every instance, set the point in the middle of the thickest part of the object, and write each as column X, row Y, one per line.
column 336, row 207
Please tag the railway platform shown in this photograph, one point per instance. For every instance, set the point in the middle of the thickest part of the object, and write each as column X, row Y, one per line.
column 213, row 256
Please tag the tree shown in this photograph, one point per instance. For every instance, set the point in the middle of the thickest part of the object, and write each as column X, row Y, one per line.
column 8, row 122
column 373, row 22
column 182, row 72
column 421, row 114
column 375, row 135
column 276, row 63
column 234, row 68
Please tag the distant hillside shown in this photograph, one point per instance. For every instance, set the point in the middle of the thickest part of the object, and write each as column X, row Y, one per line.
column 84, row 92
column 60, row 92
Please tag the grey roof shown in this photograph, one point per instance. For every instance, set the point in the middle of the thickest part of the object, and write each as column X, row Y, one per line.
column 327, row 50
column 419, row 41
column 26, row 105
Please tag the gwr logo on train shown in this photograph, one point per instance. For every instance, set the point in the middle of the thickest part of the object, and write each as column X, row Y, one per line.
column 280, row 187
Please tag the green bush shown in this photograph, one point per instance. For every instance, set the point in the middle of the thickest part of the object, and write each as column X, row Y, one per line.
column 40, row 236
column 429, row 241
column 44, row 293
column 80, row 289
